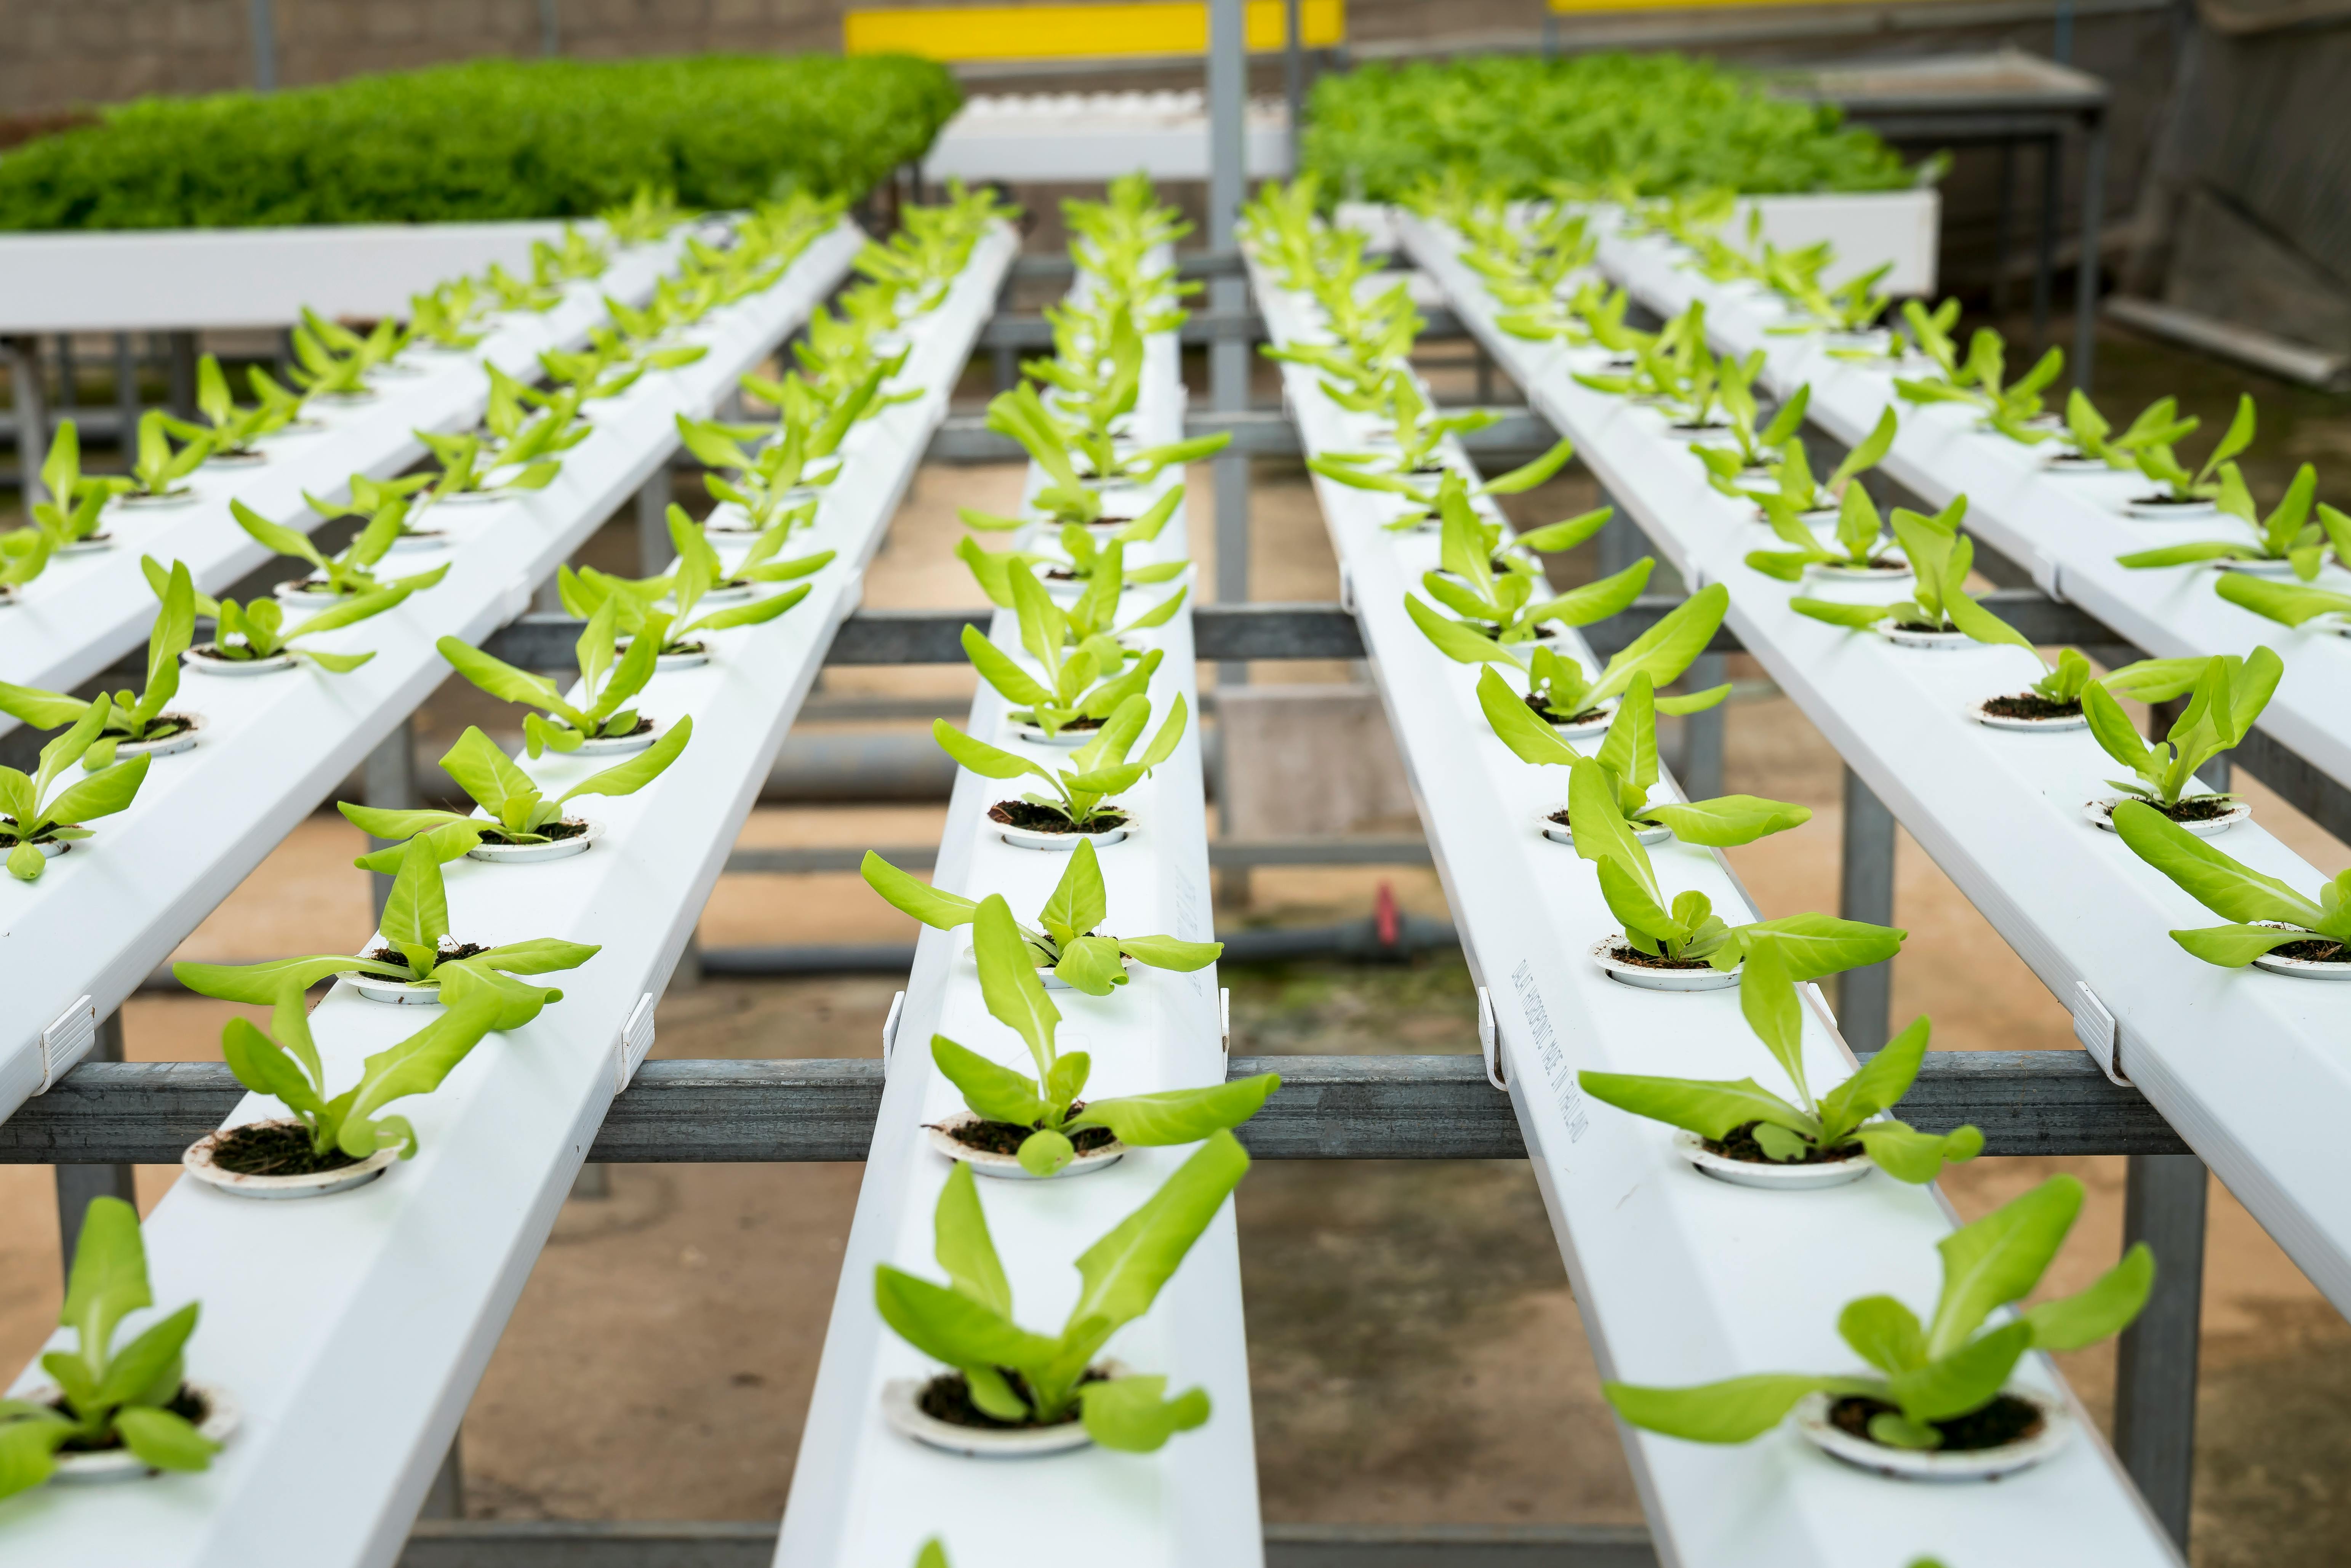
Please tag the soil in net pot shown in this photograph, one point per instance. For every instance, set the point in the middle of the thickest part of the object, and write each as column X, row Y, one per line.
column 187, row 1404
column 1006, row 1137
column 275, row 1149
column 2007, row 1419
column 2198, row 808
column 568, row 828
column 1036, row 818
column 948, row 1398
column 2313, row 950
column 1078, row 726
column 163, row 726
column 1740, row 1145
column 2031, row 705
column 447, row 954
column 1625, row 952
column 1552, row 715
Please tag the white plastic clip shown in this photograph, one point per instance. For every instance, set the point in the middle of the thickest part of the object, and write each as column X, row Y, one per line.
column 1225, row 1018
column 2048, row 575
column 890, row 1030
column 2100, row 1035
column 634, row 1044
column 1490, row 1039
column 1346, row 588
column 67, row 1042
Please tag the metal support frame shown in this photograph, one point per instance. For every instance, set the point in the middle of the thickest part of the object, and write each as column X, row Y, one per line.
column 550, row 29
column 182, row 366
column 264, row 24
column 1702, row 733
column 1327, row 1108
column 77, row 1183
column 31, row 412
column 1228, row 357
column 389, row 783
column 655, row 551
column 2164, row 1199
column 1866, row 891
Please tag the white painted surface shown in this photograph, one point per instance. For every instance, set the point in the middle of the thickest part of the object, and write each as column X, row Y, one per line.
column 1095, row 136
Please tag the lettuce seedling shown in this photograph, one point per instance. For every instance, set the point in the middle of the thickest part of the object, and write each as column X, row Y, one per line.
column 1414, row 472
column 229, row 431
column 2092, row 439
column 697, row 573
column 1494, row 592
column 127, row 718
column 333, row 360
column 579, row 257
column 350, row 571
column 156, row 466
column 1753, row 446
column 1941, row 558
column 2230, row 694
column 1858, row 535
column 1092, row 614
column 1068, row 497
column 36, row 817
column 2288, row 603
column 518, row 812
column 1853, row 307
column 1024, row 1378
column 475, row 465
column 257, row 631
column 1687, row 931
column 1097, row 770
column 111, row 1396
column 2266, row 914
column 448, row 316
column 781, row 478
column 1070, row 696
column 1064, row 939
column 1810, row 1129
column 1793, row 491
column 2008, row 407
column 69, row 515
column 532, row 296
column 370, row 497
column 1937, row 1372
column 2287, row 534
column 1558, row 689
column 418, row 949
column 649, row 213
column 1629, row 754
column 2157, row 460
column 1046, row 1109
column 610, row 682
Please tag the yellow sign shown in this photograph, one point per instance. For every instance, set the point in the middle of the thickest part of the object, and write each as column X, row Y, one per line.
column 1588, row 7
column 1049, row 32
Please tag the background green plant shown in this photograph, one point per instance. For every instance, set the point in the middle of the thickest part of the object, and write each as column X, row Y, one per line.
column 1661, row 122
column 492, row 138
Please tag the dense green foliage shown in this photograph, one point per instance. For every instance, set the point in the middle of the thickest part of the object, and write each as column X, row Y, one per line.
column 1661, row 121
column 494, row 139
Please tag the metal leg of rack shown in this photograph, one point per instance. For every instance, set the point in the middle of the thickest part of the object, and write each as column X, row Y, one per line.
column 653, row 549
column 2044, row 263
column 76, row 1185
column 1702, row 733
column 2085, row 289
column 183, row 376
column 1866, row 891
column 2155, row 1362
column 32, row 413
column 389, row 782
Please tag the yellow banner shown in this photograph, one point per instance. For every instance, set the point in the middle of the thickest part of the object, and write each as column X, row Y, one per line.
column 1587, row 7
column 1057, row 32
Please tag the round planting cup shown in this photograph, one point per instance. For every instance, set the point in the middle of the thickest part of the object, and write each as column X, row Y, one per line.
column 112, row 1465
column 902, row 1406
column 198, row 1163
column 2304, row 968
column 1770, row 1178
column 101, row 540
column 2169, row 511
column 1030, row 839
column 2101, row 814
column 1647, row 832
column 1935, row 1464
column 182, row 741
column 1939, row 642
column 251, row 459
column 536, row 855
column 1996, row 721
column 1007, row 1166
column 1643, row 978
column 1838, row 572
column 194, row 659
column 183, row 497
column 616, row 745
column 1035, row 735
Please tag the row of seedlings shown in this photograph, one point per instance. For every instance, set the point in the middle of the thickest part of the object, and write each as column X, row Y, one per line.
column 1792, row 1326
column 70, row 597
column 1042, row 1267
column 2095, row 852
column 247, row 731
column 422, row 1126
column 2149, row 524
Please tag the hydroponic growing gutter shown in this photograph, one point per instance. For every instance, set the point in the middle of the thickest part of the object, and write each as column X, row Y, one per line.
column 862, row 1494
column 103, row 917
column 2251, row 1069
column 2067, row 529
column 1680, row 1279
column 354, row 1329
column 85, row 611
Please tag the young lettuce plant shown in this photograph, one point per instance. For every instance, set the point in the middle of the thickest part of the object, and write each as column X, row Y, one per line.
column 1940, row 558
column 1792, row 491
column 1092, row 614
column 2012, row 409
column 35, row 816
column 1015, row 1377
column 248, row 633
column 350, row 571
column 609, row 684
column 333, row 361
column 1070, row 696
column 229, row 431
column 698, row 571
column 130, row 720
column 1629, row 755
column 2286, row 535
column 1065, row 938
column 109, row 1396
column 472, row 465
column 1685, row 932
column 2176, row 485
column 418, row 950
column 1043, row 1117
column 1558, row 689
column 1930, row 1374
column 2266, row 914
column 2287, row 603
column 1494, row 592
column 2230, row 694
column 2092, row 441
column 1858, row 536
column 519, row 812
column 69, row 515
column 156, row 466
column 1081, row 801
column 1753, row 446
column 1416, row 478
column 1731, row 1113
column 370, row 497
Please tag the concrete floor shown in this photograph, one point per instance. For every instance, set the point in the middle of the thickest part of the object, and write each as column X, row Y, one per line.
column 1415, row 1353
